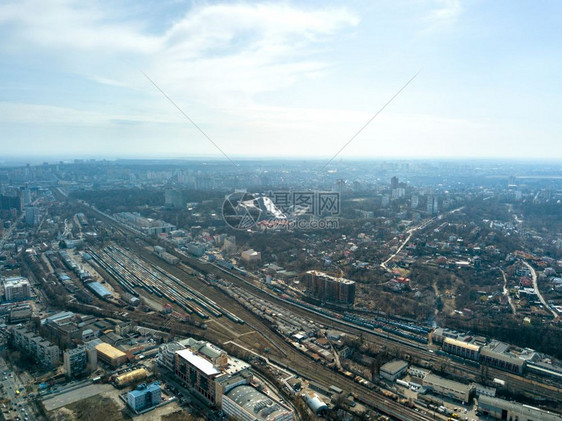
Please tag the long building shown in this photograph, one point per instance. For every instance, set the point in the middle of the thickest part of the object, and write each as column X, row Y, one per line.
column 449, row 388
column 461, row 348
column 328, row 288
column 497, row 354
column 42, row 351
column 505, row 410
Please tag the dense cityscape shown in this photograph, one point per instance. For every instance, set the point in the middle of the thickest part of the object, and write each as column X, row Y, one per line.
column 281, row 290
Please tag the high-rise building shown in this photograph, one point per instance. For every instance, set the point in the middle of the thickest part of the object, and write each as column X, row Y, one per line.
column 415, row 201
column 31, row 215
column 75, row 361
column 432, row 204
column 11, row 202
column 16, row 289
column 329, row 288
column 394, row 183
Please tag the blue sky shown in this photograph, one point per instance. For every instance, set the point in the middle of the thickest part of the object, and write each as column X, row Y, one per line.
column 281, row 79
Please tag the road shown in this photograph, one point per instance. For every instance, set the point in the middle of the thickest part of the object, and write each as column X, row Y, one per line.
column 536, row 287
column 9, row 231
column 12, row 382
column 506, row 292
column 411, row 231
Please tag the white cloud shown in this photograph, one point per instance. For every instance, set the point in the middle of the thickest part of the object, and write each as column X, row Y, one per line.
column 220, row 56
column 29, row 114
column 446, row 12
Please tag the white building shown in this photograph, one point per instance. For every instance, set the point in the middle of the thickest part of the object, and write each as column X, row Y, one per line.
column 17, row 289
column 251, row 256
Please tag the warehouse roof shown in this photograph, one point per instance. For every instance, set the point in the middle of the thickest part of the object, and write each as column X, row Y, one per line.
column 261, row 406
column 109, row 351
column 99, row 289
column 434, row 380
column 394, row 366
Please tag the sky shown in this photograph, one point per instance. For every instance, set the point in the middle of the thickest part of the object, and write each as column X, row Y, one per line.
column 281, row 78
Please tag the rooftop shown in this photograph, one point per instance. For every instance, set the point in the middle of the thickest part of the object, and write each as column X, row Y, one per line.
column 261, row 406
column 432, row 379
column 201, row 363
column 394, row 366
column 333, row 278
column 99, row 289
column 462, row 344
column 109, row 350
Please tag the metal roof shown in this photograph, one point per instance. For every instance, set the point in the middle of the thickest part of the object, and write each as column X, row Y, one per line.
column 99, row 289
column 261, row 406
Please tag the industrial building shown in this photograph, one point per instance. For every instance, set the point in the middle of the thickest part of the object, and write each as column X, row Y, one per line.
column 147, row 226
column 245, row 403
column 393, row 370
column 315, row 403
column 110, row 355
column 197, row 249
column 439, row 335
column 61, row 328
column 99, row 290
column 164, row 255
column 498, row 355
column 16, row 289
column 454, row 390
column 328, row 288
column 461, row 348
column 144, row 397
column 513, row 411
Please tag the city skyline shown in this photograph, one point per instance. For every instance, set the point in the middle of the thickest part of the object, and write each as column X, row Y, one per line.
column 290, row 80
